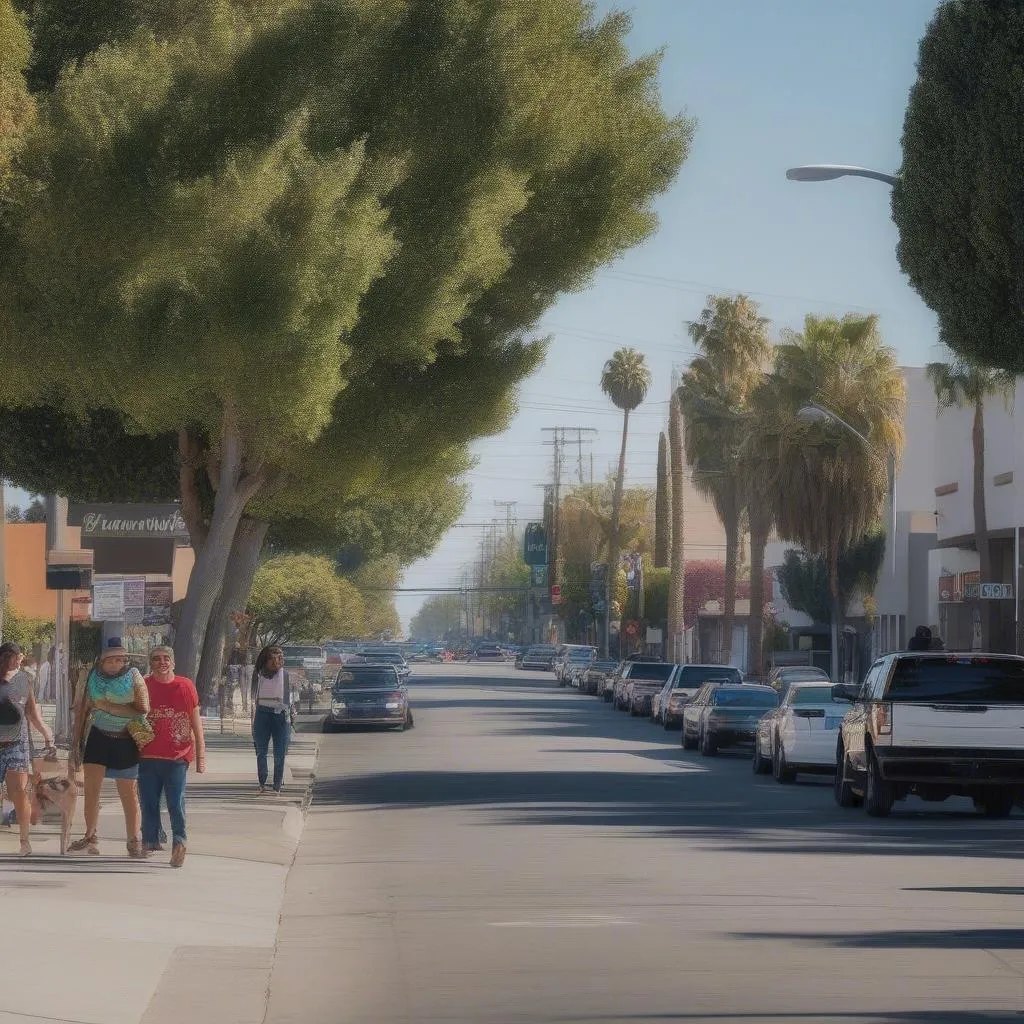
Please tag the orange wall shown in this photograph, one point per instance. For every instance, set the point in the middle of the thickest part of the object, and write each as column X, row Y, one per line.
column 25, row 570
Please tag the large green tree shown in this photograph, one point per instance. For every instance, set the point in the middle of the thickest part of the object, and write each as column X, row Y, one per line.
column 16, row 106
column 439, row 616
column 831, row 486
column 957, row 202
column 715, row 394
column 966, row 384
column 295, row 209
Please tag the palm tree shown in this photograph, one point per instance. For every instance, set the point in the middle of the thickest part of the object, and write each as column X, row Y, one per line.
column 714, row 394
column 830, row 487
column 966, row 383
column 625, row 379
column 677, row 566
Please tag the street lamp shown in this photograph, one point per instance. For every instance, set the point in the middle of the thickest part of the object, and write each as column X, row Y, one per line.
column 814, row 413
column 829, row 172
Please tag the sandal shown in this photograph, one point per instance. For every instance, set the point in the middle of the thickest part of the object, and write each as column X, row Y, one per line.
column 136, row 850
column 25, row 849
column 88, row 843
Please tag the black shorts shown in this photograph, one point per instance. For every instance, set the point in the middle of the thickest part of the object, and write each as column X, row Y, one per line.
column 115, row 752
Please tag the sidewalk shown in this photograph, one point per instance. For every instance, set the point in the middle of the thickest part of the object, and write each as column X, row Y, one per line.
column 113, row 941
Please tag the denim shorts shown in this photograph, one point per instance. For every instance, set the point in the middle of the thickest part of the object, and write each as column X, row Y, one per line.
column 14, row 757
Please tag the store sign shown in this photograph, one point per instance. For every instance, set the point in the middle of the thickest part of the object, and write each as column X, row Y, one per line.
column 996, row 591
column 141, row 522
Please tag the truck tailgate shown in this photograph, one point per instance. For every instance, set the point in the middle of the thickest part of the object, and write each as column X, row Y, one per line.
column 949, row 726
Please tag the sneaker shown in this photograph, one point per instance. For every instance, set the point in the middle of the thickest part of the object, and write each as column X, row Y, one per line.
column 178, row 852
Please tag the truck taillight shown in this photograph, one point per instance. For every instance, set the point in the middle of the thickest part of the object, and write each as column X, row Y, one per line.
column 881, row 719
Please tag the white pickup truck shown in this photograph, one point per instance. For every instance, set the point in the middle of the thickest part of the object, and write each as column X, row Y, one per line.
column 935, row 725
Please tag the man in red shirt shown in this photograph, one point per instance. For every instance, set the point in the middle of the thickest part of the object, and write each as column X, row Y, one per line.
column 163, row 766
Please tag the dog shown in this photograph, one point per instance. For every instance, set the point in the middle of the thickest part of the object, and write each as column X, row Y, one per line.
column 59, row 794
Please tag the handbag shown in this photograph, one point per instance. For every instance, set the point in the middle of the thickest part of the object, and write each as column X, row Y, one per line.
column 10, row 713
column 141, row 731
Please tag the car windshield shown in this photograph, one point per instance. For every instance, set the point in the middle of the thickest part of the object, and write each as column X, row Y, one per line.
column 958, row 680
column 581, row 655
column 743, row 697
column 691, row 676
column 657, row 671
column 813, row 695
column 792, row 675
column 367, row 677
column 541, row 650
column 604, row 666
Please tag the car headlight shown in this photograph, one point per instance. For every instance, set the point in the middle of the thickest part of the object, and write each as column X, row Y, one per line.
column 393, row 705
column 338, row 705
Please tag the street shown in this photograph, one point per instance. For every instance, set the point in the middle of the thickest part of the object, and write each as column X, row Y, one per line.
column 528, row 854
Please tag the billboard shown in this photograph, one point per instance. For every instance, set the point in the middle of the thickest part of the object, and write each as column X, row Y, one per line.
column 535, row 545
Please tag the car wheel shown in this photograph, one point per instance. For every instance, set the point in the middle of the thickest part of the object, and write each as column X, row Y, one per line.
column 708, row 747
column 879, row 796
column 780, row 769
column 761, row 764
column 409, row 722
column 666, row 723
column 995, row 805
column 843, row 788
column 689, row 743
column 329, row 726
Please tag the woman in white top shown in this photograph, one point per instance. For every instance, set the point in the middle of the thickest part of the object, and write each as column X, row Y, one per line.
column 271, row 703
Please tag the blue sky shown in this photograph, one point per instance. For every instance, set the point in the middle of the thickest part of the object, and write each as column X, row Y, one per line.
column 772, row 83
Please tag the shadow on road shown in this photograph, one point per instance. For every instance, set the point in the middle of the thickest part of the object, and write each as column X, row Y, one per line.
column 964, row 938
column 891, row 1017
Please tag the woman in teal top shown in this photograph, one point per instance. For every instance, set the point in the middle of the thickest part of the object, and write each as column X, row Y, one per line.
column 114, row 694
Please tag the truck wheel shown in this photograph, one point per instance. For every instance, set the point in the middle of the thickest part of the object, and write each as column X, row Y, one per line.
column 843, row 790
column 879, row 796
column 995, row 805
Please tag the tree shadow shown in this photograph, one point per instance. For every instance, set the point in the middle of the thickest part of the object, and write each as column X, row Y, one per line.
column 945, row 1016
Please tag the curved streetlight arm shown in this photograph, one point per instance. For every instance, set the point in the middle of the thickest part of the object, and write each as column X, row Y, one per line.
column 829, row 172
column 827, row 415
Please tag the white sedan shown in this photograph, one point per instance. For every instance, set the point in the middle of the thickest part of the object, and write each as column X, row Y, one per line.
column 800, row 735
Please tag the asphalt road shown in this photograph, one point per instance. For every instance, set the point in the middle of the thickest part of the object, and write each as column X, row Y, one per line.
column 527, row 854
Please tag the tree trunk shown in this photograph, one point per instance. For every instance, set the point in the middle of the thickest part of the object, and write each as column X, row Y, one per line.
column 234, row 491
column 759, row 530
column 234, row 595
column 981, row 518
column 612, row 573
column 662, row 506
column 677, row 568
column 732, row 544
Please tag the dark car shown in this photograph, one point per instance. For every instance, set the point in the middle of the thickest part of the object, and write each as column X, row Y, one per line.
column 368, row 693
column 487, row 652
column 730, row 715
column 594, row 676
column 539, row 656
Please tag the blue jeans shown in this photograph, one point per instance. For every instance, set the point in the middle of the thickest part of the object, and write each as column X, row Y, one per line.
column 267, row 725
column 160, row 777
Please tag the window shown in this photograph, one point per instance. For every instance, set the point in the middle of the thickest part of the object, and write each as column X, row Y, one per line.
column 961, row 680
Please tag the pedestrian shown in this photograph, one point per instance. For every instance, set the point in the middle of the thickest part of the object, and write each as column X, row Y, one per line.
column 271, row 702
column 921, row 640
column 45, row 675
column 18, row 707
column 112, row 702
column 164, row 761
column 236, row 678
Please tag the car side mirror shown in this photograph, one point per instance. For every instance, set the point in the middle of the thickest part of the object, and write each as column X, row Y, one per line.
column 846, row 691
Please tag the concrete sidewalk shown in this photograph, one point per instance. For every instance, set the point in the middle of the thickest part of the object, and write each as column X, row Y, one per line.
column 114, row 941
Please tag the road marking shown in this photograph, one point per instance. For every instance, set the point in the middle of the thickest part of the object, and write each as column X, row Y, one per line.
column 571, row 921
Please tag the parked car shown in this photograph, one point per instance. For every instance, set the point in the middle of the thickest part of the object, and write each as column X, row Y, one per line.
column 572, row 656
column 780, row 678
column 935, row 725
column 668, row 704
column 729, row 715
column 391, row 656
column 592, row 678
column 540, row 656
column 368, row 693
column 487, row 652
column 800, row 734
column 641, row 680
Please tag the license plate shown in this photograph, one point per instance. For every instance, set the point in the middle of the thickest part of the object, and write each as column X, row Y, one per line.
column 833, row 723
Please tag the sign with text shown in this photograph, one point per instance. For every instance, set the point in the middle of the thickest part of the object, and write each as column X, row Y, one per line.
column 108, row 600
column 141, row 522
column 996, row 591
column 159, row 597
column 535, row 545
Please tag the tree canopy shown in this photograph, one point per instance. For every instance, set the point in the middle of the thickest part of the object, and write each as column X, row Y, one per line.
column 957, row 202
column 439, row 615
column 301, row 218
